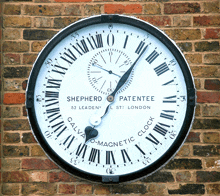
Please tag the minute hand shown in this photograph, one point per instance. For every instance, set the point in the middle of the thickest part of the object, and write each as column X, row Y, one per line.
column 125, row 77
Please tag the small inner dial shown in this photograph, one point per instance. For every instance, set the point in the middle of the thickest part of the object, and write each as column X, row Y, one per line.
column 106, row 68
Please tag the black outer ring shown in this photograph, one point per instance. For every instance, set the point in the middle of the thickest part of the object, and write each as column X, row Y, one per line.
column 191, row 98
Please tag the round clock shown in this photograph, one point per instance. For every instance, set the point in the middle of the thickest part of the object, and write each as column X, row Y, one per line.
column 110, row 99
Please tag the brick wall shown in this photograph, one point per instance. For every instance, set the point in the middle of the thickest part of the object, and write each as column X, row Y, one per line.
column 25, row 28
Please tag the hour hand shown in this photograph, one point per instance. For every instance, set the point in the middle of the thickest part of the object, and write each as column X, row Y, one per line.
column 90, row 132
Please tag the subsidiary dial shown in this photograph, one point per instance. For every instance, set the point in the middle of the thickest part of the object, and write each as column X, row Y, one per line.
column 106, row 68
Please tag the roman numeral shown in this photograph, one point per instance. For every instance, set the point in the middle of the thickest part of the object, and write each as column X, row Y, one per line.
column 139, row 48
column 160, row 129
column 68, row 141
column 168, row 83
column 59, row 69
column 109, row 157
column 81, row 150
column 161, row 69
column 70, row 55
column 53, row 83
column 125, row 156
column 54, row 111
column 126, row 40
column 93, row 154
column 52, row 94
column 170, row 99
column 97, row 41
column 152, row 56
column 167, row 116
column 152, row 139
column 138, row 147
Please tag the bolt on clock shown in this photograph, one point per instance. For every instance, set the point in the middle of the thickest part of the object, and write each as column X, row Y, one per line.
column 110, row 99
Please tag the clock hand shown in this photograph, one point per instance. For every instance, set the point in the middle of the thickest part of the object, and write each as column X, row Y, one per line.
column 110, row 72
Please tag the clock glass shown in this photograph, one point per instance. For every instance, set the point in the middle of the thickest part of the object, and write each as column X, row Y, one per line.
column 151, row 112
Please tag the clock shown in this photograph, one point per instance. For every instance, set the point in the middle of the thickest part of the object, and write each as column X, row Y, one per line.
column 110, row 99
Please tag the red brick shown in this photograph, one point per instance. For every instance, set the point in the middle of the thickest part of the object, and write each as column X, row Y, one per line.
column 83, row 189
column 15, row 176
column 73, row 0
column 208, row 97
column 212, row 84
column 12, row 59
column 29, row 58
column 212, row 59
column 157, row 20
column 206, row 20
column 212, row 34
column 181, row 8
column 66, row 189
column 14, row 98
column 61, row 177
column 38, row 164
column 119, row 9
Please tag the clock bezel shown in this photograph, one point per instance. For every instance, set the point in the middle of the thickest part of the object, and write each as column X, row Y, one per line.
column 191, row 98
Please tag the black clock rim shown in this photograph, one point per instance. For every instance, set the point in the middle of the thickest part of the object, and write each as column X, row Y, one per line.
column 191, row 98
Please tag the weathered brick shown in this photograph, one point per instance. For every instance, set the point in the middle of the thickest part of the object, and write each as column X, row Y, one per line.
column 12, row 85
column 17, row 21
column 182, row 21
column 156, row 189
column 183, row 176
column 67, row 189
column 12, row 46
column 11, row 138
column 206, row 46
column 37, row 151
column 14, row 98
column 37, row 46
column 11, row 34
column 16, row 72
column 12, row 9
column 24, row 111
column 207, row 176
column 101, row 190
column 211, row 137
column 189, row 189
column 10, row 189
column 38, row 176
column 159, row 177
column 212, row 33
column 212, row 84
column 193, row 137
column 129, row 188
column 39, row 164
column 194, row 58
column 15, row 176
column 213, row 189
column 61, row 177
column 206, row 124
column 208, row 97
column 212, row 59
column 181, row 8
column 29, row 58
column 15, row 151
column 42, row 10
column 28, row 138
column 184, row 34
column 84, row 189
column 157, row 20
column 39, row 189
column 212, row 163
column 42, row 22
column 211, row 7
column 11, row 112
column 206, row 151
column 184, row 151
column 206, row 20
column 198, row 110
column 184, row 164
column 120, row 9
column 185, row 46
column 11, row 59
column 64, row 21
column 21, row 124
column 10, row 164
column 73, row 0
column 38, row 34
column 76, row 10
column 152, row 8
column 205, row 71
column 211, row 110
column 92, row 9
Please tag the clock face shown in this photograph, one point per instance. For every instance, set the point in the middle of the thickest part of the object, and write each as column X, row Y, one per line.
column 141, row 129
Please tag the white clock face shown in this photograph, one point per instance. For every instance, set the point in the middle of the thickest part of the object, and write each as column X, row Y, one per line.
column 141, row 124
